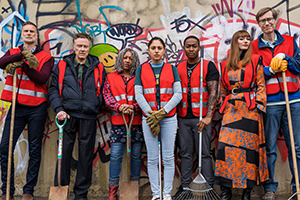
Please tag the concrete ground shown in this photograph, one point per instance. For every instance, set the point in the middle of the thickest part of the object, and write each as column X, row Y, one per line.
column 149, row 198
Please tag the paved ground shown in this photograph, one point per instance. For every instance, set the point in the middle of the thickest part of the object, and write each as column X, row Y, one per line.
column 144, row 198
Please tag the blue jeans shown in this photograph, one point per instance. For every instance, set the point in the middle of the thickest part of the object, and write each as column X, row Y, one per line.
column 116, row 156
column 168, row 128
column 35, row 117
column 276, row 117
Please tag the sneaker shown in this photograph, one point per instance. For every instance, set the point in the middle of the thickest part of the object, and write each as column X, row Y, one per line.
column 179, row 191
column 269, row 195
column 167, row 197
column 155, row 198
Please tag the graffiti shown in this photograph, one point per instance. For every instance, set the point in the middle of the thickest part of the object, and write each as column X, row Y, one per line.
column 183, row 24
column 233, row 6
column 5, row 10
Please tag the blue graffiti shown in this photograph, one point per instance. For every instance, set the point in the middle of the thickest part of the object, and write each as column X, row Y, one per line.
column 94, row 30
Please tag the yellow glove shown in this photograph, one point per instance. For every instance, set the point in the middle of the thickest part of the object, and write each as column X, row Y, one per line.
column 275, row 64
column 32, row 60
column 155, row 130
column 155, row 117
column 11, row 67
column 283, row 66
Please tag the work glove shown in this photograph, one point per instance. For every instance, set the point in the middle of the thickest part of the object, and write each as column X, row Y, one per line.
column 280, row 55
column 11, row 67
column 275, row 64
column 155, row 117
column 155, row 130
column 32, row 60
column 283, row 66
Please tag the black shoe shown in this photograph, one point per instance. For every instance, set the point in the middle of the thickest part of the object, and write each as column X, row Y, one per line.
column 179, row 191
column 246, row 194
column 226, row 193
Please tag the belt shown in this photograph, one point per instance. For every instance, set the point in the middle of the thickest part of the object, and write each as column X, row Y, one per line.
column 239, row 90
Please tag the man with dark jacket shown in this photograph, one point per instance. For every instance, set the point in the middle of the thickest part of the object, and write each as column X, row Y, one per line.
column 33, row 67
column 76, row 93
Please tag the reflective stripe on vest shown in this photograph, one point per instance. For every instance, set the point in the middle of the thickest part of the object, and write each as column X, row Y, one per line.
column 166, row 81
column 28, row 92
column 194, row 90
column 123, row 94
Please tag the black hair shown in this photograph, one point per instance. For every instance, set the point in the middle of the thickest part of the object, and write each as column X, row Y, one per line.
column 189, row 37
column 159, row 39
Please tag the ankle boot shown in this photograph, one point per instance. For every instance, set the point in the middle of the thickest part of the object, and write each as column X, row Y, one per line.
column 246, row 194
column 112, row 193
column 226, row 193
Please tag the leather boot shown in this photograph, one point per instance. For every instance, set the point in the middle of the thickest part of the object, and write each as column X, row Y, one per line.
column 246, row 194
column 112, row 193
column 226, row 193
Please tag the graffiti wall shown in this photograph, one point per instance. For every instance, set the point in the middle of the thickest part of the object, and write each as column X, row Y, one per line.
column 114, row 25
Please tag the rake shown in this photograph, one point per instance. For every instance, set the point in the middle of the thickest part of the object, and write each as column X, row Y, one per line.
column 199, row 189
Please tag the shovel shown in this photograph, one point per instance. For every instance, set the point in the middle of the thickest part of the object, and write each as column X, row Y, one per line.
column 59, row 192
column 129, row 189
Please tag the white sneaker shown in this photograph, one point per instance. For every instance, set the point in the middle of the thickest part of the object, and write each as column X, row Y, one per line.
column 155, row 198
column 167, row 197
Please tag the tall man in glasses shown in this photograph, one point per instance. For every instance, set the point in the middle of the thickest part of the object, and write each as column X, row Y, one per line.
column 280, row 53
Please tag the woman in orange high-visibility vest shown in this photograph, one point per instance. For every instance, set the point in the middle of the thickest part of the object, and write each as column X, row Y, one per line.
column 119, row 97
column 158, row 91
column 241, row 160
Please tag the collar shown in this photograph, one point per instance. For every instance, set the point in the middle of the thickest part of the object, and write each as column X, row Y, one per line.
column 86, row 63
column 279, row 40
column 269, row 43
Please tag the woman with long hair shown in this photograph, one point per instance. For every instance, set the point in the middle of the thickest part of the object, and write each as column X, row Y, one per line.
column 158, row 91
column 241, row 156
column 119, row 97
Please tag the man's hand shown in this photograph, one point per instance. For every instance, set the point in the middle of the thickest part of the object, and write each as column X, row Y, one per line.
column 11, row 67
column 280, row 55
column 32, row 60
column 61, row 115
column 203, row 123
column 275, row 64
column 283, row 66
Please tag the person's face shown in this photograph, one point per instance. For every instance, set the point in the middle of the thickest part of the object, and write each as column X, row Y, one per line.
column 127, row 61
column 81, row 48
column 156, row 50
column 244, row 42
column 267, row 23
column 29, row 34
column 191, row 48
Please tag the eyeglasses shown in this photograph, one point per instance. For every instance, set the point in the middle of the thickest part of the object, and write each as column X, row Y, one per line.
column 263, row 21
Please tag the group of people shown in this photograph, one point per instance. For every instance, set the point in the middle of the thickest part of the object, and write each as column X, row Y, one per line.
column 165, row 101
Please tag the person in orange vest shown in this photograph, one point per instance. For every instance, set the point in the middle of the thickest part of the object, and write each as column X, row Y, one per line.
column 76, row 93
column 280, row 53
column 33, row 67
column 188, row 113
column 241, row 160
column 158, row 91
column 119, row 97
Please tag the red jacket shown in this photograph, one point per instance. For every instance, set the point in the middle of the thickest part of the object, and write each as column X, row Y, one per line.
column 272, row 85
column 123, row 94
column 166, row 81
column 28, row 92
column 249, row 82
column 195, row 89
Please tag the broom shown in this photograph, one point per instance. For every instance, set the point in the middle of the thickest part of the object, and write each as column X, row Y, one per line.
column 199, row 189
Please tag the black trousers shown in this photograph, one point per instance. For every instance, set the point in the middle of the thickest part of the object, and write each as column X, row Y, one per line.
column 86, row 129
column 188, row 138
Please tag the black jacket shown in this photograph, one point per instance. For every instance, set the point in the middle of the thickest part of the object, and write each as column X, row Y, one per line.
column 85, row 107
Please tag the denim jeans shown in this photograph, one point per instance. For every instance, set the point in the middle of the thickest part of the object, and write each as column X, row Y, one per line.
column 116, row 156
column 168, row 128
column 276, row 117
column 35, row 117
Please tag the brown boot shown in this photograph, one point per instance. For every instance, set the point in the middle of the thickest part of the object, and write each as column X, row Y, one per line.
column 4, row 197
column 27, row 197
column 112, row 193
